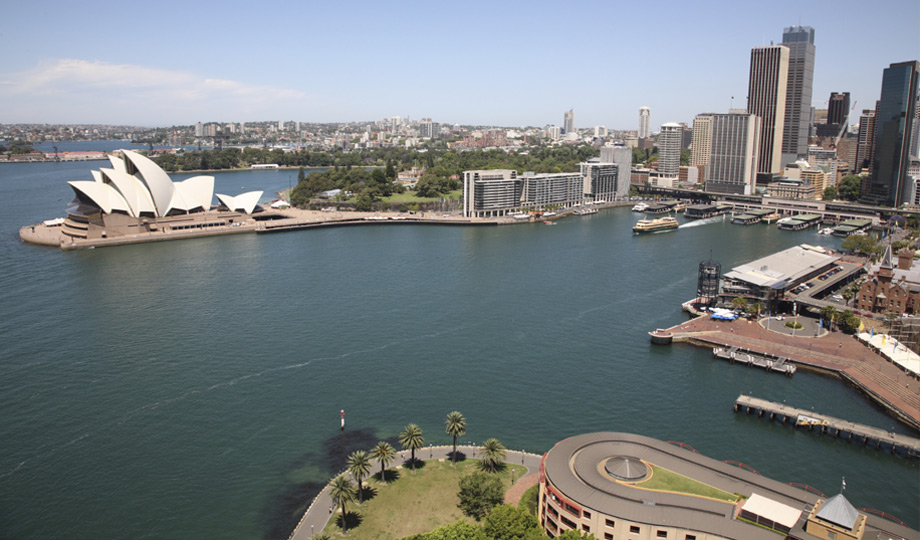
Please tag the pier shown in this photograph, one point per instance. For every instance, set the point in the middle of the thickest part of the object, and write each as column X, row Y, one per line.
column 829, row 425
column 740, row 356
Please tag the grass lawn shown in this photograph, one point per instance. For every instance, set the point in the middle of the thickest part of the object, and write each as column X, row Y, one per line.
column 413, row 503
column 409, row 197
column 664, row 480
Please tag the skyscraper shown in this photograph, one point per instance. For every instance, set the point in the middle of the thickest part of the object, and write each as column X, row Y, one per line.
column 645, row 117
column 733, row 155
column 897, row 106
column 866, row 144
column 702, row 142
column 669, row 149
column 801, row 43
column 838, row 108
column 767, row 87
column 568, row 122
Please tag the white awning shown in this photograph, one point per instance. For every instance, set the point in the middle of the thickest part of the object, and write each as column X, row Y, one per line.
column 774, row 511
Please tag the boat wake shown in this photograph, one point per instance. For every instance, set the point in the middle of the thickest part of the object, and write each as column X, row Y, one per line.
column 701, row 222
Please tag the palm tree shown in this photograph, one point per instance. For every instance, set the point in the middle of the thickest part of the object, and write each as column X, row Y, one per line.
column 411, row 439
column 493, row 454
column 384, row 453
column 359, row 465
column 342, row 491
column 456, row 426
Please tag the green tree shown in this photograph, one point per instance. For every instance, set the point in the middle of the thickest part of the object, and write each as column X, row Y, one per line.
column 506, row 522
column 342, row 491
column 756, row 308
column 830, row 193
column 411, row 439
column 493, row 454
column 828, row 315
column 390, row 171
column 359, row 465
column 849, row 322
column 456, row 427
column 459, row 530
column 479, row 493
column 739, row 302
column 384, row 453
column 857, row 243
column 848, row 187
column 364, row 203
column 301, row 175
column 575, row 535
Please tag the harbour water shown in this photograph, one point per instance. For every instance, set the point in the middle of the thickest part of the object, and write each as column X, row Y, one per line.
column 192, row 388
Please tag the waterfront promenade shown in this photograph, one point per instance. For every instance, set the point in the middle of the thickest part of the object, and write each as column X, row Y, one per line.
column 321, row 510
column 831, row 352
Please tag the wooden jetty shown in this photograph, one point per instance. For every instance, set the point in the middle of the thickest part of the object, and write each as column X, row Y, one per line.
column 829, row 425
column 740, row 356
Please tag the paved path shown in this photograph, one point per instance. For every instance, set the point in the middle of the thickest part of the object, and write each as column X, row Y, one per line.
column 320, row 511
column 836, row 352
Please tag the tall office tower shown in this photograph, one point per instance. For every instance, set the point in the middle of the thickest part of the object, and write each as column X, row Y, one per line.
column 645, row 117
column 600, row 131
column 733, row 156
column 801, row 43
column 897, row 106
column 568, row 122
column 866, row 141
column 669, row 149
column 702, row 142
column 767, row 99
column 838, row 108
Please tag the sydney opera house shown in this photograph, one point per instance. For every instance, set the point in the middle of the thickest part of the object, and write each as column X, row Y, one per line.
column 134, row 200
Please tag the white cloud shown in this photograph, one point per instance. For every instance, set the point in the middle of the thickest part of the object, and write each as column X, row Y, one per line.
column 75, row 90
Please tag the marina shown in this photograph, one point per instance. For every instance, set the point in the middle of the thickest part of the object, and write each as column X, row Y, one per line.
column 829, row 425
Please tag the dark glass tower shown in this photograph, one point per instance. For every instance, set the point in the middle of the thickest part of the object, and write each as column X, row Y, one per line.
column 889, row 184
column 800, row 40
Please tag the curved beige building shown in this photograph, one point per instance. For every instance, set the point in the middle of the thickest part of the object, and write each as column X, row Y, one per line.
column 599, row 483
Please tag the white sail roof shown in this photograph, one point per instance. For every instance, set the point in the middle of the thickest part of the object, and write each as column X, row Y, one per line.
column 244, row 202
column 192, row 193
column 157, row 181
column 133, row 190
column 103, row 195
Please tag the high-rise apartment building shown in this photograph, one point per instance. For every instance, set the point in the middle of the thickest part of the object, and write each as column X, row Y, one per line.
column 645, row 118
column 568, row 122
column 800, row 40
column 622, row 156
column 733, row 155
column 491, row 193
column 897, row 107
column 428, row 129
column 702, row 142
column 767, row 88
column 669, row 149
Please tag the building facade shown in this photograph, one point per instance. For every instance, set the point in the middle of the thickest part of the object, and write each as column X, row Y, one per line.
column 568, row 122
column 800, row 40
column 702, row 141
column 767, row 89
column 669, row 143
column 559, row 189
column 600, row 180
column 889, row 184
column 892, row 287
column 491, row 193
column 732, row 166
column 622, row 156
column 645, row 118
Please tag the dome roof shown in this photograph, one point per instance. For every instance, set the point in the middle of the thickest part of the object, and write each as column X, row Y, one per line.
column 626, row 468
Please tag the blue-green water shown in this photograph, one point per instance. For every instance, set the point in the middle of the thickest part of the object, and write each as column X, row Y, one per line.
column 192, row 388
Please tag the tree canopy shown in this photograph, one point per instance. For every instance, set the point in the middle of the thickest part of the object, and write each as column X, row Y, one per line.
column 848, row 187
column 479, row 493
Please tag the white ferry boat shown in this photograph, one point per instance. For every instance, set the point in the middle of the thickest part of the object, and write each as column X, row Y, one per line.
column 641, row 207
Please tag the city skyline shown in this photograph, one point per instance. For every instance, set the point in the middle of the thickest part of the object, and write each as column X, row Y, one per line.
column 188, row 63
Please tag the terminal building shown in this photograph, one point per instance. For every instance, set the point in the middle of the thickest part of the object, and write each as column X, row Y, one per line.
column 600, row 484
column 767, row 279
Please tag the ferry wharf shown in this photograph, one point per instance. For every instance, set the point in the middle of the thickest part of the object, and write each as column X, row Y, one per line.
column 832, row 353
column 829, row 425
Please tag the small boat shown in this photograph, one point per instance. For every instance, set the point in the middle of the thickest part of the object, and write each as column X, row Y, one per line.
column 641, row 207
column 826, row 230
column 666, row 223
column 587, row 212
column 770, row 218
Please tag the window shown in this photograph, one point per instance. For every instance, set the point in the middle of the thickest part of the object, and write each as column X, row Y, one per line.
column 568, row 522
column 634, row 529
column 661, row 534
column 585, row 528
column 608, row 536
column 690, row 537
column 586, row 513
column 570, row 509
column 610, row 523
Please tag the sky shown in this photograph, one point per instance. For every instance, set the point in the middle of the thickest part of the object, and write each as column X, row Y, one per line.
column 500, row 63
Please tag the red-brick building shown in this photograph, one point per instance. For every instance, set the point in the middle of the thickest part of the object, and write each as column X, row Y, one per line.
column 891, row 288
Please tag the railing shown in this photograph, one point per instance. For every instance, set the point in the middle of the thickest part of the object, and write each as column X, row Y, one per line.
column 806, row 487
column 880, row 513
column 740, row 465
column 683, row 445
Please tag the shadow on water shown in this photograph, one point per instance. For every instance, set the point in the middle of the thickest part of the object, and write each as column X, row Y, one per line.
column 283, row 511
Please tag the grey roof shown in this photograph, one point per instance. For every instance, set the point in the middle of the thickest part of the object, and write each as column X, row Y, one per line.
column 626, row 468
column 787, row 265
column 839, row 511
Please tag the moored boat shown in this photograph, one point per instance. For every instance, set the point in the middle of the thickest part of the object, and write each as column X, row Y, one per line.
column 641, row 207
column 656, row 225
